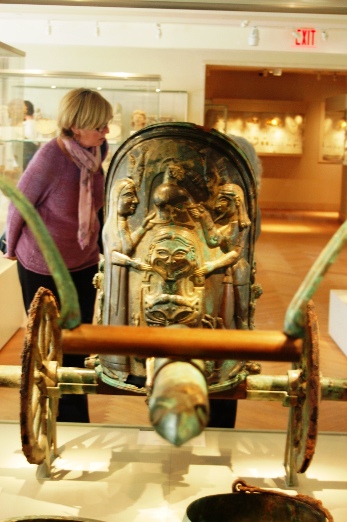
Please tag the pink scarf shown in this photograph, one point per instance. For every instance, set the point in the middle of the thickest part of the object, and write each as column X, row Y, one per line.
column 88, row 162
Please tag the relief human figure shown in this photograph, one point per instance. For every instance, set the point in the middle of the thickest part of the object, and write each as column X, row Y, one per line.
column 228, row 231
column 120, row 242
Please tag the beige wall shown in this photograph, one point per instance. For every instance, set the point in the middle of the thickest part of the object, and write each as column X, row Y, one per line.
column 298, row 183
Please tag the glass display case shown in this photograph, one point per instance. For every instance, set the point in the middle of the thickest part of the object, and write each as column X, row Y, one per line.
column 137, row 101
column 134, row 98
column 273, row 127
column 11, row 154
column 173, row 106
column 11, row 121
column 11, row 113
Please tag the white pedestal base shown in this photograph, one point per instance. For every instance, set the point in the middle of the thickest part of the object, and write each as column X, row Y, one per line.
column 118, row 474
column 338, row 318
column 12, row 313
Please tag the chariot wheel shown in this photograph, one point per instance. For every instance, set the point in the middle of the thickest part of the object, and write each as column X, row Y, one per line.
column 303, row 428
column 39, row 395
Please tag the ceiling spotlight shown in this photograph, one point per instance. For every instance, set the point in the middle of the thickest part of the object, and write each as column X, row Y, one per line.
column 325, row 35
column 253, row 38
column 277, row 71
column 296, row 34
column 159, row 31
column 97, row 29
column 245, row 23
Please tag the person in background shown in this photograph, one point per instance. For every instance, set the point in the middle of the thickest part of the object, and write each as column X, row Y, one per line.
column 29, row 121
column 30, row 134
column 65, row 183
column 257, row 167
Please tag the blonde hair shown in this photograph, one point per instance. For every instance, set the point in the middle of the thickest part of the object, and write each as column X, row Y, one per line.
column 83, row 109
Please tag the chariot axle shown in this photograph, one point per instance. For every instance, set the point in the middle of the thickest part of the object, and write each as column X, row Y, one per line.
column 274, row 388
column 260, row 345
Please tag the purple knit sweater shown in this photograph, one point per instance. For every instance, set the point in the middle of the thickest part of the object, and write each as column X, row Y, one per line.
column 51, row 183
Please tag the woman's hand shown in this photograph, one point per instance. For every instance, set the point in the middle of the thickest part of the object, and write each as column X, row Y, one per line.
column 139, row 265
column 147, row 225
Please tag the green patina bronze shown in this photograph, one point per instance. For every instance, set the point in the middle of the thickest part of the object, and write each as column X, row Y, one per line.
column 70, row 315
column 294, row 323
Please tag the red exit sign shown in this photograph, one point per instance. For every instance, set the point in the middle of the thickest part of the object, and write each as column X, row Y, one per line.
column 305, row 37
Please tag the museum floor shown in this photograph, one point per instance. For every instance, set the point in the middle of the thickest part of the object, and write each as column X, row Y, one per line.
column 287, row 248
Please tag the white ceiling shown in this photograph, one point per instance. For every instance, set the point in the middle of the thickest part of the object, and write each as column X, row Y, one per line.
column 22, row 22
column 194, row 25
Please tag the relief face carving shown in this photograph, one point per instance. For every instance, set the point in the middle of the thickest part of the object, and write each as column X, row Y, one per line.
column 178, row 236
column 172, row 296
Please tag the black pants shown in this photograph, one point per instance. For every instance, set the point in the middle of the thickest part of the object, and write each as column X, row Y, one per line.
column 72, row 408
column 222, row 413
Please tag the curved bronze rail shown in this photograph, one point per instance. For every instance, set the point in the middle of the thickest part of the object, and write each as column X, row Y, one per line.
column 294, row 322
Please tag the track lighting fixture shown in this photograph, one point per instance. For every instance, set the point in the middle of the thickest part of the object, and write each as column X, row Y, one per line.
column 277, row 71
column 159, row 31
column 245, row 23
column 325, row 35
column 97, row 29
column 253, row 38
column 296, row 34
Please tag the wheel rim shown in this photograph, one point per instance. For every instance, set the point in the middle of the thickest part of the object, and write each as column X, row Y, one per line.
column 42, row 354
column 306, row 412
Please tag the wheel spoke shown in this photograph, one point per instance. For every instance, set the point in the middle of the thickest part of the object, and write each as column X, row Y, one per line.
column 42, row 345
column 49, row 352
column 35, row 401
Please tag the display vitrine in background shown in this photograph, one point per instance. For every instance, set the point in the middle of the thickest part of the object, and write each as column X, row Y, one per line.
column 11, row 163
column 137, row 100
column 11, row 121
column 129, row 94
column 173, row 106
column 274, row 127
